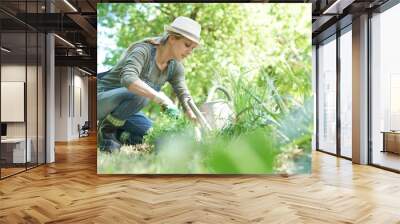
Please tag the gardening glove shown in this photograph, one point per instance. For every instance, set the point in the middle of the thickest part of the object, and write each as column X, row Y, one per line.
column 170, row 108
column 172, row 111
column 163, row 100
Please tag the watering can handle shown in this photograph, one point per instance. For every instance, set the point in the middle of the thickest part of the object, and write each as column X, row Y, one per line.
column 214, row 89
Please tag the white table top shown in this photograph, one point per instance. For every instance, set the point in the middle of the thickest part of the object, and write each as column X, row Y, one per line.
column 13, row 140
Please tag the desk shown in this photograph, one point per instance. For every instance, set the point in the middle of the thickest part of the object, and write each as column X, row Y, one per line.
column 391, row 141
column 13, row 150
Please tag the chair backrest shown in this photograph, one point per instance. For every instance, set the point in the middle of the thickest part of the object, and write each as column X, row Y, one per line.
column 86, row 125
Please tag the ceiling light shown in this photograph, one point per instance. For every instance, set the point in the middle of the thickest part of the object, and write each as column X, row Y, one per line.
column 86, row 72
column 79, row 51
column 70, row 5
column 338, row 6
column 64, row 40
column 5, row 50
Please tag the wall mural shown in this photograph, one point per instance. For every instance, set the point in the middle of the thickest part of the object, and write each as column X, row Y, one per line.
column 204, row 88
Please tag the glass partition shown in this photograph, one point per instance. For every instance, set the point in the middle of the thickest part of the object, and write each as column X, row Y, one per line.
column 385, row 84
column 327, row 96
column 31, row 99
column 346, row 93
column 33, row 64
column 14, row 151
column 22, row 79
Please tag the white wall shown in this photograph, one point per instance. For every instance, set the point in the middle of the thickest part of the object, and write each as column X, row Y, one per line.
column 61, row 103
column 34, row 124
column 14, row 73
column 71, row 94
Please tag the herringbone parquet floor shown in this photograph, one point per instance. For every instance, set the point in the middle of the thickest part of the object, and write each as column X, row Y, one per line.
column 70, row 191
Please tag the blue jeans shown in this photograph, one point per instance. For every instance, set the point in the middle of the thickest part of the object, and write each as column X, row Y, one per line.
column 120, row 103
column 125, row 105
column 137, row 125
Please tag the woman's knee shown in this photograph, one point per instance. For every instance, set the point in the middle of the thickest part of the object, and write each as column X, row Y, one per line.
column 120, row 102
column 138, row 124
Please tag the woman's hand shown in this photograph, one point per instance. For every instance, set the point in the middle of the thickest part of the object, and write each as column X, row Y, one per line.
column 170, row 108
column 163, row 99
column 191, row 115
column 173, row 112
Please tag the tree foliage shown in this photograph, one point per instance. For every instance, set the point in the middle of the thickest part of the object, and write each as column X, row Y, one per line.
column 267, row 41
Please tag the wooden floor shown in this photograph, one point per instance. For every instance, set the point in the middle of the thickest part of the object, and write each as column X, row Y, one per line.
column 70, row 191
column 386, row 159
column 10, row 171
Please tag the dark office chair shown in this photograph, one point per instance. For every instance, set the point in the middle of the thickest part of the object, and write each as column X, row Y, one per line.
column 84, row 130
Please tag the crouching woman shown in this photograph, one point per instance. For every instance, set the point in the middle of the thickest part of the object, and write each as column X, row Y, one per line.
column 138, row 78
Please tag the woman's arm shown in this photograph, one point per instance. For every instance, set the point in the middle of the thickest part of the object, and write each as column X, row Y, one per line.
column 141, row 88
column 180, row 88
column 131, row 66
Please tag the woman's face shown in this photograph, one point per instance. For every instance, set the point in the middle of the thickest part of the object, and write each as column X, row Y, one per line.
column 181, row 47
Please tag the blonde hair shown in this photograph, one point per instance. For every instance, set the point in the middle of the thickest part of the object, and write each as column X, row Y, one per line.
column 164, row 38
column 156, row 40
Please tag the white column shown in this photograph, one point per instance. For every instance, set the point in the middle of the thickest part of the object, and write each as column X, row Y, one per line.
column 360, row 90
column 50, row 92
column 50, row 101
column 314, row 90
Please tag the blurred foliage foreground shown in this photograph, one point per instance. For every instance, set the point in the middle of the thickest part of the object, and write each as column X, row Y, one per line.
column 267, row 137
column 261, row 53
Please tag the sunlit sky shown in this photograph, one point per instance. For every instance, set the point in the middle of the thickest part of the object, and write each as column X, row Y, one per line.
column 104, row 44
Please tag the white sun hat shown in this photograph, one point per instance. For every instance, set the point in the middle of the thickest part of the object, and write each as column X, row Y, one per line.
column 186, row 27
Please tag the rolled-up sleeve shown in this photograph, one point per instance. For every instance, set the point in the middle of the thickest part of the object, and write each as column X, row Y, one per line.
column 132, row 65
column 178, row 83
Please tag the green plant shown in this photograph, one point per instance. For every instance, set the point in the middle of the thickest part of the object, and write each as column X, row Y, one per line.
column 165, row 126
